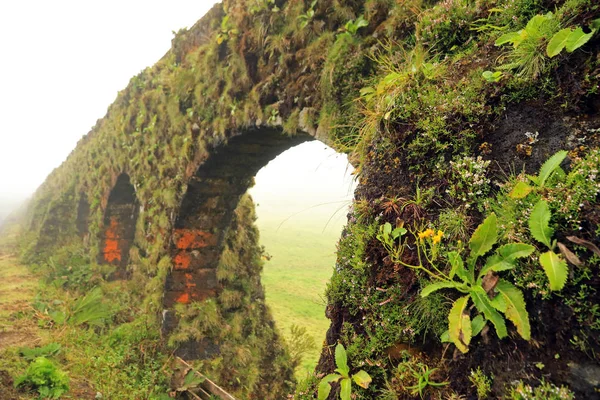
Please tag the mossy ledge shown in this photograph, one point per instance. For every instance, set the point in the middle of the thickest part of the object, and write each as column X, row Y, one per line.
column 437, row 144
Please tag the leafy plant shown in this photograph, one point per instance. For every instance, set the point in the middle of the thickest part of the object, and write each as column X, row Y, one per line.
column 570, row 39
column 492, row 77
column 43, row 376
column 227, row 30
column 491, row 295
column 550, row 168
column 351, row 28
column 90, row 309
column 423, row 377
column 308, row 16
column 48, row 350
column 361, row 378
column 554, row 266
column 527, row 55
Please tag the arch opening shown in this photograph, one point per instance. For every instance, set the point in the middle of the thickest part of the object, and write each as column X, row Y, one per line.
column 120, row 218
column 207, row 209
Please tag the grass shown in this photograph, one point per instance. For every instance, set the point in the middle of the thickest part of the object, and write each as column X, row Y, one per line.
column 295, row 278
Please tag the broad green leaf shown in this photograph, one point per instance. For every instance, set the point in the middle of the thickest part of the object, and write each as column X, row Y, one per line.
column 558, row 42
column 499, row 303
column 512, row 251
column 387, row 228
column 346, row 389
column 477, row 325
column 506, row 38
column 362, row 379
column 556, row 269
column 458, row 267
column 505, row 256
column 459, row 324
column 539, row 223
column 577, row 38
column 484, row 237
column 515, row 307
column 325, row 387
column 341, row 359
column 361, row 22
column 433, row 287
column 520, row 191
column 482, row 303
column 549, row 166
column 497, row 263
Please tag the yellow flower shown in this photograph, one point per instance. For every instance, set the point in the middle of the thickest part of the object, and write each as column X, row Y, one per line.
column 426, row 233
column 440, row 233
column 437, row 239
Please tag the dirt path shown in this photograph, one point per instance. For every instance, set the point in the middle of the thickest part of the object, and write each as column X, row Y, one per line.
column 17, row 288
column 17, row 328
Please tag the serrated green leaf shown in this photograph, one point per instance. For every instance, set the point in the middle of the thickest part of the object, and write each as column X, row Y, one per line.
column 520, row 191
column 499, row 303
column 482, row 303
column 507, row 38
column 512, row 251
column 459, row 324
column 549, row 166
column 496, row 263
column 477, row 325
column 555, row 268
column 539, row 223
column 346, row 389
column 341, row 359
column 515, row 307
column 362, row 379
column 577, row 38
column 325, row 387
column 427, row 290
column 484, row 237
column 558, row 42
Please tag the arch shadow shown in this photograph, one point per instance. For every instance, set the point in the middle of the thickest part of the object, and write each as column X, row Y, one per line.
column 120, row 219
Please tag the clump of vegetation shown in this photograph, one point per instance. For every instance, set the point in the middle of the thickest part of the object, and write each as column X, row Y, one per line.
column 43, row 376
column 545, row 391
column 361, row 378
column 481, row 382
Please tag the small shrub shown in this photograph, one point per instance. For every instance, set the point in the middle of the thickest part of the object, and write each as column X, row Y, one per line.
column 481, row 382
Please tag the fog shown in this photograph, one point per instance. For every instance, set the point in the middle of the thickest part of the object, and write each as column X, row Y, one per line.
column 63, row 63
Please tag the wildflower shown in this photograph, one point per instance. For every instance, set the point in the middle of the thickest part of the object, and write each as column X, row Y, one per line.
column 426, row 233
column 438, row 238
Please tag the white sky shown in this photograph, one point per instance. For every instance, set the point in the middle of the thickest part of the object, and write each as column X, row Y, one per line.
column 62, row 63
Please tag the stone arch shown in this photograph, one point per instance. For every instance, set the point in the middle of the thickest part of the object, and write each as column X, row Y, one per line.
column 120, row 218
column 207, row 209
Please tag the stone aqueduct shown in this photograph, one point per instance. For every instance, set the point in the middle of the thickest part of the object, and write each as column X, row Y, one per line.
column 205, row 213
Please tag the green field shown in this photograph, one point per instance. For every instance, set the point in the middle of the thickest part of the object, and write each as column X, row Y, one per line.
column 295, row 279
column 302, row 202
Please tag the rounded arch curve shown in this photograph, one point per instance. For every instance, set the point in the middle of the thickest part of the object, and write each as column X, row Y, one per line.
column 207, row 209
column 120, row 218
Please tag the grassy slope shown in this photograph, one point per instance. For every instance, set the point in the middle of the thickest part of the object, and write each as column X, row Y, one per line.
column 295, row 279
